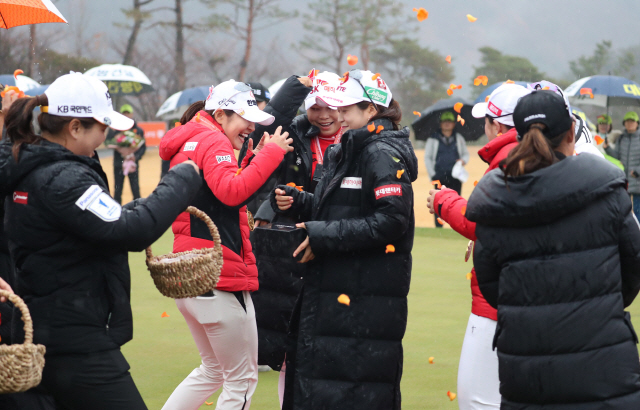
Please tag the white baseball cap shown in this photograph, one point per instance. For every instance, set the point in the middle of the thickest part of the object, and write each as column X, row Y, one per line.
column 501, row 104
column 238, row 97
column 81, row 96
column 357, row 86
column 323, row 83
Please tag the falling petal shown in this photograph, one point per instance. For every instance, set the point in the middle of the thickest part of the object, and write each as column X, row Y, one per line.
column 460, row 120
column 198, row 117
column 292, row 184
column 344, row 299
column 164, row 314
column 441, row 221
column 390, row 249
column 299, row 188
column 450, row 92
column 431, row 360
column 238, row 171
column 417, row 113
column 422, row 14
column 453, row 86
column 475, row 183
column 463, row 210
column 485, row 80
column 352, row 60
column 448, row 59
column 17, row 73
column 399, row 173
column 375, row 76
column 477, row 81
column 177, row 124
column 371, row 127
column 208, row 403
column 457, row 107
column 380, row 129
column 486, row 98
column 452, row 395
column 599, row 140
column 469, row 276
column 471, row 18
column 459, row 87
column 587, row 91
column 509, row 82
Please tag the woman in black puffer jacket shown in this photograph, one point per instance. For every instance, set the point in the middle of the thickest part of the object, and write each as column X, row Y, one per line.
column 558, row 254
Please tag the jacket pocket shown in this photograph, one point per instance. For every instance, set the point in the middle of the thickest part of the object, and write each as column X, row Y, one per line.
column 627, row 320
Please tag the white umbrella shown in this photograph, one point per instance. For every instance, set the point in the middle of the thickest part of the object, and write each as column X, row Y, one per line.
column 122, row 79
column 177, row 104
column 23, row 82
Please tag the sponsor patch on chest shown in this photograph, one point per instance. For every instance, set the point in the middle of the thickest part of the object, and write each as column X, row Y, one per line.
column 388, row 190
column 351, row 183
column 190, row 146
column 20, row 197
column 223, row 158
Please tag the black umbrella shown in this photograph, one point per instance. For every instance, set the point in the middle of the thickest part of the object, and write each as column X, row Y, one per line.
column 429, row 121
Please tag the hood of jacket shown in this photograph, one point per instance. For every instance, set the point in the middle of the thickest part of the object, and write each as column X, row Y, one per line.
column 545, row 195
column 493, row 147
column 356, row 140
column 33, row 156
column 175, row 138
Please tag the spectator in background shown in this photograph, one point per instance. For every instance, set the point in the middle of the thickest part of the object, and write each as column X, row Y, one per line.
column 605, row 129
column 442, row 151
column 122, row 153
column 627, row 150
column 261, row 93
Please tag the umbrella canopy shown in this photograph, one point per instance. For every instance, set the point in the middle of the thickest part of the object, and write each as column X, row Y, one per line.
column 487, row 91
column 581, row 114
column 429, row 121
column 37, row 90
column 22, row 12
column 174, row 106
column 23, row 82
column 607, row 90
column 122, row 79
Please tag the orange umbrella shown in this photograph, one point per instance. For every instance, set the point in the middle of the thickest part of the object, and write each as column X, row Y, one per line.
column 22, row 12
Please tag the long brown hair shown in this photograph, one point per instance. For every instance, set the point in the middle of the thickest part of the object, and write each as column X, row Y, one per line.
column 534, row 152
column 392, row 113
column 19, row 122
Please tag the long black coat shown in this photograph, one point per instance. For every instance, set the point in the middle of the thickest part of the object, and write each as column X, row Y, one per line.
column 69, row 243
column 350, row 357
column 558, row 254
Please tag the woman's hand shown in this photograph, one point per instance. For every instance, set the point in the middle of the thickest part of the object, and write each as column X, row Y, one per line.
column 284, row 202
column 260, row 144
column 9, row 98
column 306, row 81
column 431, row 199
column 4, row 286
column 279, row 139
column 195, row 166
column 304, row 246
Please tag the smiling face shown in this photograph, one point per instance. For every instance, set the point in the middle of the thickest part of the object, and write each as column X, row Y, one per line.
column 235, row 127
column 603, row 128
column 325, row 119
column 84, row 141
column 352, row 117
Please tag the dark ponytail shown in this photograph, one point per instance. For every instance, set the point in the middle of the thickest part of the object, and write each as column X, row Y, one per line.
column 392, row 113
column 534, row 152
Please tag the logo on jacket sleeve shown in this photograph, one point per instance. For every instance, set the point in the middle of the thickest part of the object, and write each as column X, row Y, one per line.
column 20, row 197
column 223, row 158
column 351, row 183
column 98, row 202
column 190, row 146
column 388, row 190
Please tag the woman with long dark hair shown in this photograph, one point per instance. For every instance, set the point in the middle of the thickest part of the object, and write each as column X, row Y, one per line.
column 558, row 254
column 352, row 313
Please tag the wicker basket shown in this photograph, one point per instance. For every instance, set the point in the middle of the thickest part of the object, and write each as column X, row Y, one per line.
column 188, row 274
column 21, row 365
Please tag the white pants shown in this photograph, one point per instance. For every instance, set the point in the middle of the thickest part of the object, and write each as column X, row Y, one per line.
column 227, row 338
column 478, row 379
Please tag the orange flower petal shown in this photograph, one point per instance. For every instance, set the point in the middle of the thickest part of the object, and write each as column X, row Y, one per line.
column 208, row 404
column 380, row 129
column 431, row 360
column 17, row 73
column 486, row 98
column 448, row 59
column 452, row 395
column 463, row 210
column 457, row 107
column 441, row 221
column 238, row 171
column 375, row 76
column 390, row 249
column 460, row 119
column 469, row 276
column 450, row 92
column 453, row 86
column 344, row 299
column 371, row 127
column 399, row 173
column 198, row 117
column 164, row 314
column 509, row 82
column 177, row 124
column 299, row 188
column 471, row 18
column 586, row 91
column 292, row 184
column 459, row 87
column 417, row 113
column 599, row 140
column 477, row 81
column 485, row 80
column 435, row 182
column 475, row 183
column 422, row 14
column 352, row 60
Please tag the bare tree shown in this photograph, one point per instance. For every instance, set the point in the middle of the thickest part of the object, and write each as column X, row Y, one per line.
column 138, row 16
column 376, row 26
column 249, row 16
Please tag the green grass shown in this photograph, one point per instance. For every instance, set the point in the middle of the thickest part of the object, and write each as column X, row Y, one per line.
column 162, row 351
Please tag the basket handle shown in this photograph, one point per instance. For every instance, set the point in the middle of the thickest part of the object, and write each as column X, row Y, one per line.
column 215, row 234
column 26, row 316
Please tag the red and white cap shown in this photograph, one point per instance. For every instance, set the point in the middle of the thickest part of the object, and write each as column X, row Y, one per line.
column 324, row 83
column 81, row 96
column 238, row 97
column 357, row 86
column 501, row 103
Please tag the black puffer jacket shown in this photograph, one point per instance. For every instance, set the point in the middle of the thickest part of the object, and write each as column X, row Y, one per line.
column 69, row 242
column 558, row 254
column 350, row 357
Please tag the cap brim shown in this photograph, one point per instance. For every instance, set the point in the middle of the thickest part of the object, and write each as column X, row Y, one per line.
column 115, row 120
column 479, row 110
column 333, row 101
column 310, row 102
column 254, row 114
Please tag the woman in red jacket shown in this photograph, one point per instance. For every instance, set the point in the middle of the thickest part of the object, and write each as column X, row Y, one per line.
column 478, row 381
column 222, row 321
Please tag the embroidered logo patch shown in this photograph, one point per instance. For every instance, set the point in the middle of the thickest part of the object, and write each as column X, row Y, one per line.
column 20, row 197
column 223, row 158
column 351, row 183
column 89, row 196
column 388, row 190
column 105, row 208
column 190, row 146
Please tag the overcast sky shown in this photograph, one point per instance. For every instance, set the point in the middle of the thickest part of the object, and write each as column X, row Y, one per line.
column 548, row 32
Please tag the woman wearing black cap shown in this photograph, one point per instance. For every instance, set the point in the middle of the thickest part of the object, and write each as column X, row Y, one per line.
column 558, row 254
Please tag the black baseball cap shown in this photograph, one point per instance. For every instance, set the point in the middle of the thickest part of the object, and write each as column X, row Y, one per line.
column 260, row 92
column 545, row 107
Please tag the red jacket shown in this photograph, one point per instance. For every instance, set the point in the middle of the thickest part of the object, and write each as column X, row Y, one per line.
column 448, row 205
column 223, row 197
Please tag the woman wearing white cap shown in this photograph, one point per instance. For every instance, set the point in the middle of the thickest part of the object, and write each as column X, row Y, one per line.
column 69, row 240
column 222, row 321
column 353, row 310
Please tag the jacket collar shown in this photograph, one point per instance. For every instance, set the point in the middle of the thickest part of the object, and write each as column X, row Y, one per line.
column 493, row 147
